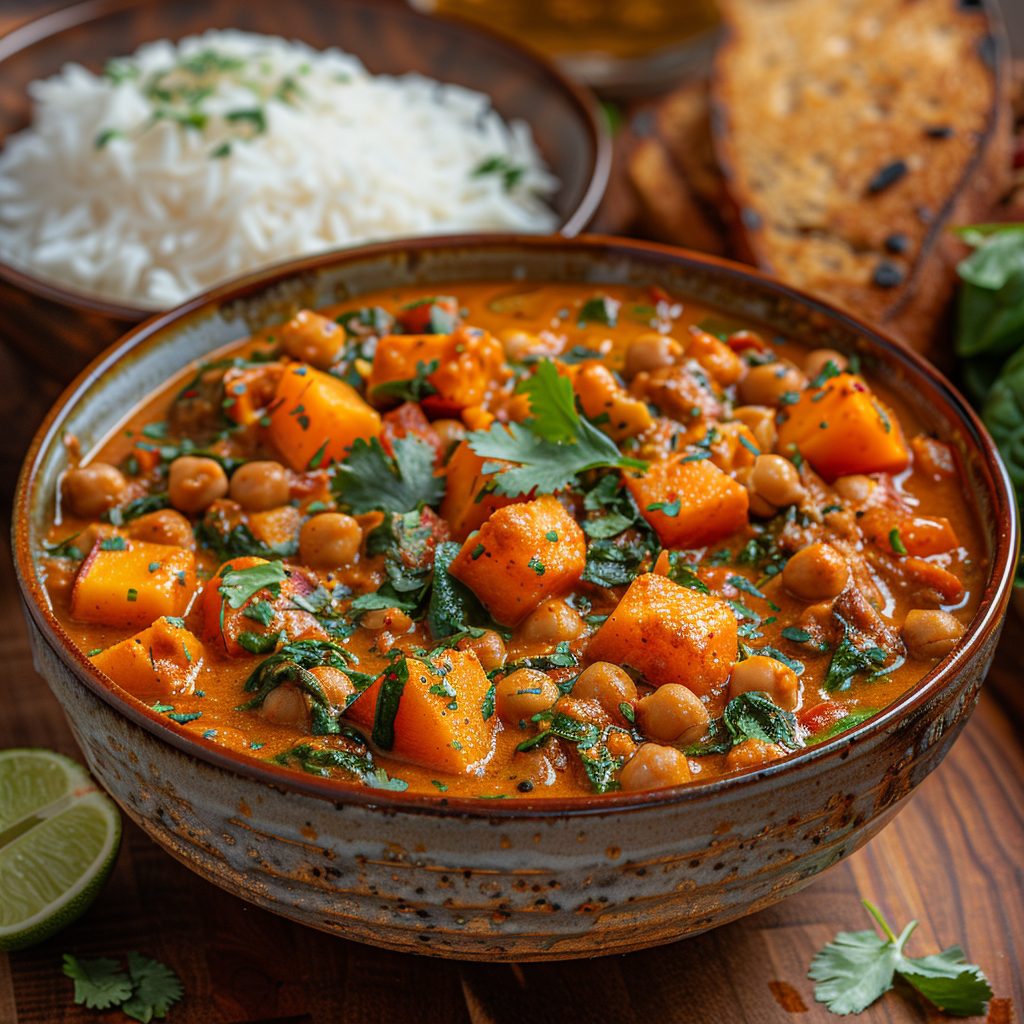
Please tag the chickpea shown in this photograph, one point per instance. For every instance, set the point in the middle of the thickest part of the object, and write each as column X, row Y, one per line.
column 751, row 754
column 855, row 488
column 489, row 649
column 760, row 421
column 766, row 675
column 551, row 622
column 312, row 338
column 651, row 351
column 451, row 433
column 523, row 694
column 394, row 620
column 90, row 490
column 258, row 486
column 286, row 705
column 767, row 383
column 816, row 573
column 329, row 540
column 818, row 360
column 672, row 714
column 606, row 683
column 164, row 526
column 194, row 483
column 776, row 480
column 654, row 767
column 930, row 633
column 336, row 685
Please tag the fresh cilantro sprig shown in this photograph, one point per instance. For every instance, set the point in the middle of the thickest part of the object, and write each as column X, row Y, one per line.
column 147, row 990
column 552, row 447
column 240, row 585
column 856, row 968
column 369, row 479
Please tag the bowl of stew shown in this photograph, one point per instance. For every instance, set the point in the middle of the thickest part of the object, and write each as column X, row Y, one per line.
column 512, row 598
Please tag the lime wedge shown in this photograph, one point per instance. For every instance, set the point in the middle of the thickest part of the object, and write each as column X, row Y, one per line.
column 58, row 841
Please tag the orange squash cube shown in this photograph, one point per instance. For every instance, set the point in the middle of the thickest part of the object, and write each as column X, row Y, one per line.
column 670, row 634
column 467, row 502
column 162, row 661
column 469, row 361
column 842, row 428
column 127, row 583
column 315, row 418
column 689, row 504
column 440, row 721
column 522, row 555
column 603, row 399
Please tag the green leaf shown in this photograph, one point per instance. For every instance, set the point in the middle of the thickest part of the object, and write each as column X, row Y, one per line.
column 601, row 309
column 502, row 167
column 848, row 659
column 318, row 761
column 240, row 585
column 99, row 983
column 990, row 308
column 850, row 721
column 392, row 686
column 856, row 968
column 853, row 970
column 1003, row 413
column 237, row 541
column 122, row 514
column 452, row 604
column 369, row 479
column 156, row 989
column 65, row 548
column 947, row 981
column 611, row 564
column 684, row 573
column 756, row 716
column 551, row 448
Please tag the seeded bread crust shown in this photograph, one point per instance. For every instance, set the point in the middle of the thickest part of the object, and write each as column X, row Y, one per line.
column 852, row 134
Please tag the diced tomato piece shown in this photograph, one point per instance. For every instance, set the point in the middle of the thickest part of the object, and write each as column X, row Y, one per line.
column 408, row 419
column 422, row 317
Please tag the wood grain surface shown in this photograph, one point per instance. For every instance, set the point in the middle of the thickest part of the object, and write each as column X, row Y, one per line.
column 954, row 859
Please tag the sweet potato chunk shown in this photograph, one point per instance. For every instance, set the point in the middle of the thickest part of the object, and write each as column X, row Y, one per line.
column 468, row 361
column 689, row 504
column 918, row 535
column 603, row 399
column 842, row 428
column 315, row 418
column 440, row 719
column 522, row 555
column 160, row 662
column 126, row 583
column 466, row 502
column 669, row 633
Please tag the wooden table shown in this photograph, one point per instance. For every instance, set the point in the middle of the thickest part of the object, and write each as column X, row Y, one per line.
column 954, row 859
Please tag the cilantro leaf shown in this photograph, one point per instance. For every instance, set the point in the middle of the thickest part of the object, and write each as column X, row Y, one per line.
column 853, row 970
column 856, row 968
column 99, row 983
column 552, row 447
column 414, row 389
column 318, row 761
column 369, row 479
column 452, row 604
column 240, row 585
column 156, row 989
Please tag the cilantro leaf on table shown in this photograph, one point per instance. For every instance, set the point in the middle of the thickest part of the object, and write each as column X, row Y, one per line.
column 147, row 991
column 856, row 968
column 156, row 988
column 369, row 479
column 552, row 447
column 99, row 983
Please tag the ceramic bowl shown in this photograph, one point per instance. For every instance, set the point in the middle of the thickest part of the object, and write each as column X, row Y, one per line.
column 522, row 879
column 61, row 329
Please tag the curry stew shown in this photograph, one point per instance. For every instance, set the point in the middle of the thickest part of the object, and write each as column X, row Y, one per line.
column 545, row 540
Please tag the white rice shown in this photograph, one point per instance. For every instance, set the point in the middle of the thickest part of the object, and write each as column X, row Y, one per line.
column 100, row 196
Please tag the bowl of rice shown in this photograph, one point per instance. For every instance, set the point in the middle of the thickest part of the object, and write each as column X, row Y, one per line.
column 151, row 151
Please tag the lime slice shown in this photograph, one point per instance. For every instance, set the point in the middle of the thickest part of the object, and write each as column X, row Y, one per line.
column 58, row 841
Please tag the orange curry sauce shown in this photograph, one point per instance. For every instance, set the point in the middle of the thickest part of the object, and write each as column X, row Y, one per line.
column 752, row 548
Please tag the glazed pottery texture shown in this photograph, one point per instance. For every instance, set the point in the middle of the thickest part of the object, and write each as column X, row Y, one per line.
column 517, row 879
column 61, row 329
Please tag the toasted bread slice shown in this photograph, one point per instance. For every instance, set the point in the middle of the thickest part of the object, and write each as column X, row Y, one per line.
column 852, row 135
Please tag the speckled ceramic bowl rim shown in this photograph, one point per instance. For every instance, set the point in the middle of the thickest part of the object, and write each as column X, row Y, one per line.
column 38, row 29
column 989, row 615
